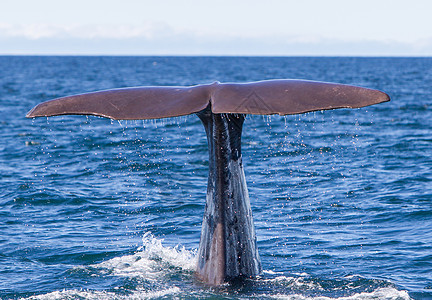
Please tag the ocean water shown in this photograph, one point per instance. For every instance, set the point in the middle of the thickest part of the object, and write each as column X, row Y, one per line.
column 97, row 209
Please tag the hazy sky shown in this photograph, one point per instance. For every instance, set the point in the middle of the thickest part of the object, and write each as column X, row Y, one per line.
column 219, row 27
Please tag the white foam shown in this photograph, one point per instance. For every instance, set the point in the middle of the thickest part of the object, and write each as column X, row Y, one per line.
column 296, row 283
column 173, row 292
column 270, row 272
column 378, row 294
column 97, row 295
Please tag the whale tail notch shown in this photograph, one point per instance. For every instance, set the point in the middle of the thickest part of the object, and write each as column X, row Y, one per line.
column 283, row 97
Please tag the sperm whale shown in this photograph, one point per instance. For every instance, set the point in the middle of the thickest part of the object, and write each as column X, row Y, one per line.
column 228, row 247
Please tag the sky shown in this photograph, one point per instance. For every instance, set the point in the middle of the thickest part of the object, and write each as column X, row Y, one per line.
column 218, row 27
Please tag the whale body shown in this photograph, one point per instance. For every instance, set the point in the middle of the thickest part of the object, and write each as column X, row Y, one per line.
column 228, row 247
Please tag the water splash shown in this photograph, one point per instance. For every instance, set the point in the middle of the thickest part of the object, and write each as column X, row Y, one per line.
column 151, row 262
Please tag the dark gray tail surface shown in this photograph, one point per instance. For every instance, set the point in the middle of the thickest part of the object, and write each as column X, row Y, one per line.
column 228, row 247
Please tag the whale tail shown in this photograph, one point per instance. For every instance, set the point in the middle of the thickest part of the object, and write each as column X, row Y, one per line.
column 283, row 97
column 228, row 248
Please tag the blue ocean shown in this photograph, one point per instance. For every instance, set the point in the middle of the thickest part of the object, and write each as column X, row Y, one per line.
column 92, row 208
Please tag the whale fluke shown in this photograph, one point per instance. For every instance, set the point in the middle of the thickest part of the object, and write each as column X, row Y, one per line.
column 228, row 248
column 283, row 97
